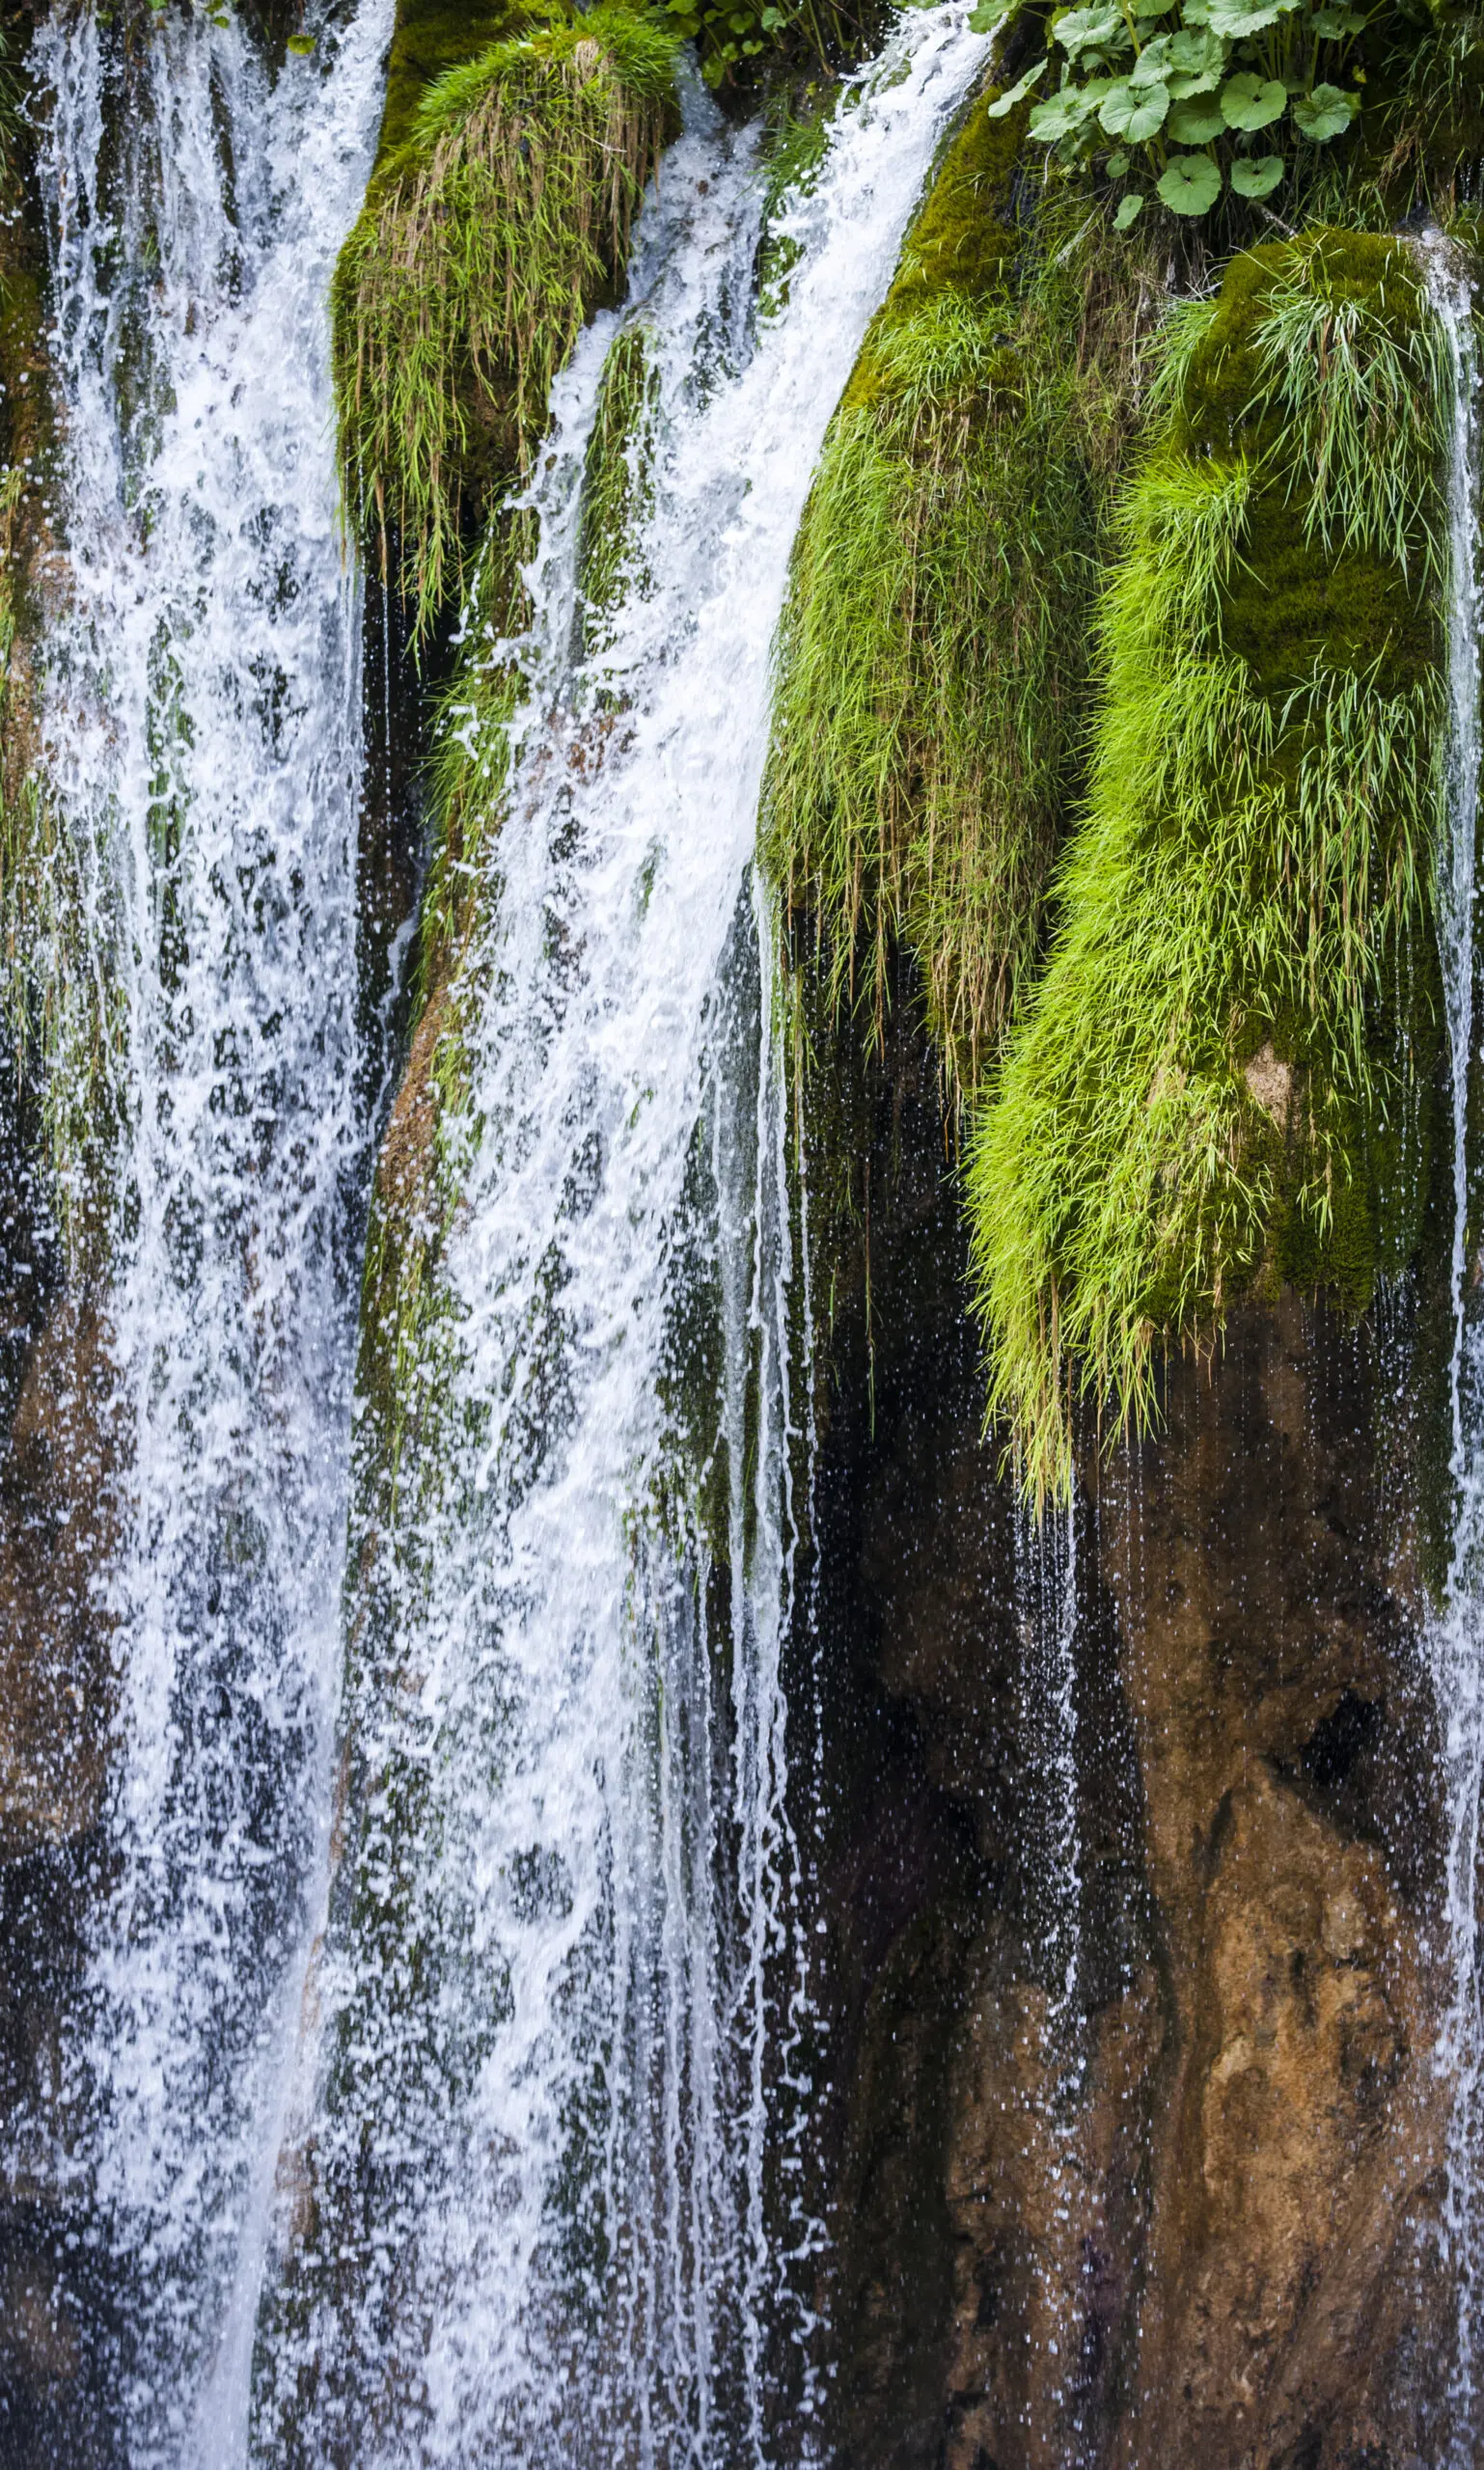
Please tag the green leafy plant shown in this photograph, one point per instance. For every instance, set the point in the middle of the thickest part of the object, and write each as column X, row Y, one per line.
column 740, row 41
column 1184, row 99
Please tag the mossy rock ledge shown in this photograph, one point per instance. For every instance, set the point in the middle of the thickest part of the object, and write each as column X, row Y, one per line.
column 933, row 670
column 1225, row 1082
column 515, row 146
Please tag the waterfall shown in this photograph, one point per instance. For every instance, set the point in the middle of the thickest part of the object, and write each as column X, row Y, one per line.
column 1457, row 1635
column 556, row 2169
column 1046, row 1559
column 202, row 751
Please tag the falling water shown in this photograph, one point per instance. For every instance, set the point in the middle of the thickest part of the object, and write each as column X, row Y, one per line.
column 1046, row 1593
column 203, row 742
column 559, row 2204
column 1458, row 1635
column 1046, row 1590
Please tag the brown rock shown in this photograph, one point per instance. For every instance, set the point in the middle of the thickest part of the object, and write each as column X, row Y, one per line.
column 55, row 1534
column 1194, row 2221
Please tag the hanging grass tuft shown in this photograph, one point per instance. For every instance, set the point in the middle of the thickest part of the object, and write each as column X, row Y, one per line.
column 1220, row 1083
column 488, row 239
column 931, row 670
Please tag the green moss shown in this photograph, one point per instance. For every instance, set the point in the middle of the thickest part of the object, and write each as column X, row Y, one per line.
column 1216, row 1086
column 964, row 237
column 931, row 669
column 430, row 38
column 617, row 488
column 493, row 230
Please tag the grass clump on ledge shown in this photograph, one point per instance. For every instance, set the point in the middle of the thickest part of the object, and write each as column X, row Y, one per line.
column 1220, row 1083
column 489, row 234
column 931, row 669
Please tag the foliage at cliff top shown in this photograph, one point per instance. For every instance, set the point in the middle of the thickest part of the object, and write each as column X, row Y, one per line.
column 930, row 676
column 489, row 234
column 741, row 41
column 1184, row 99
column 1217, row 1083
column 1224, row 114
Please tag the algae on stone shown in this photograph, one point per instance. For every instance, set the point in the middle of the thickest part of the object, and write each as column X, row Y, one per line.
column 1218, row 1081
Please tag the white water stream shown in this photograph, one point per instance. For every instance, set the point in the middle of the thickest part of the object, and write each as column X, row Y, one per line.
column 560, row 2196
column 202, row 726
column 1457, row 1639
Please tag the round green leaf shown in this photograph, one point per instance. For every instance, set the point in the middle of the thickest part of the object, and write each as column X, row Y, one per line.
column 1326, row 113
column 1117, row 165
column 1196, row 124
column 1133, row 112
column 1250, row 101
column 1335, row 25
column 1229, row 18
column 1062, row 113
column 1129, row 211
column 1152, row 66
column 1256, row 175
column 1148, row 119
column 1088, row 30
column 1116, row 106
column 1190, row 183
column 1198, row 62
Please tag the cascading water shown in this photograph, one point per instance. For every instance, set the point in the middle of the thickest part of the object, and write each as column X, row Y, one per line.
column 560, row 2208
column 1046, row 1554
column 1457, row 1639
column 202, row 726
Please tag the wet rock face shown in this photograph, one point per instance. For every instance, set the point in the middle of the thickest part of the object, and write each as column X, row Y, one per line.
column 54, row 1517
column 1286, row 1732
column 1186, row 2211
column 55, row 1710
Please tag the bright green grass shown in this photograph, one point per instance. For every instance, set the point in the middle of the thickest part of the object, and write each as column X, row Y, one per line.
column 931, row 668
column 1212, row 1085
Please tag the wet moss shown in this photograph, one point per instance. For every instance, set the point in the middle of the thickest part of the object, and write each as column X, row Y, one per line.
column 1226, row 1078
column 429, row 39
column 932, row 669
column 61, row 1013
column 497, row 222
column 616, row 481
column 965, row 240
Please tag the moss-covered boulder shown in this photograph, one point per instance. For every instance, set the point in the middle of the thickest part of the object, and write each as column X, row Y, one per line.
column 497, row 219
column 1222, row 1081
